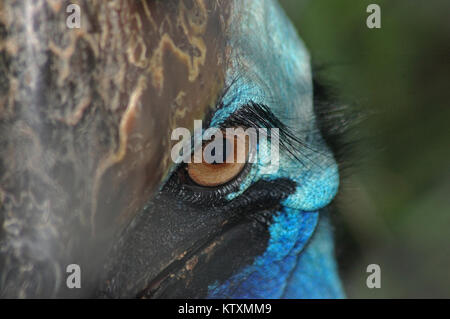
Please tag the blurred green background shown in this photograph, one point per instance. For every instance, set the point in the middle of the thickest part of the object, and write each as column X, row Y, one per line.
column 394, row 205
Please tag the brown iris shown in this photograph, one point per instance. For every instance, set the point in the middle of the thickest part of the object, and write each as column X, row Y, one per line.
column 215, row 174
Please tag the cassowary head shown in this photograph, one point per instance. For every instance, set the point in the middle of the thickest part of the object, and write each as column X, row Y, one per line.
column 86, row 172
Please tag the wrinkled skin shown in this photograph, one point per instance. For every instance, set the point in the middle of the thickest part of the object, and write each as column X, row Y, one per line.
column 85, row 170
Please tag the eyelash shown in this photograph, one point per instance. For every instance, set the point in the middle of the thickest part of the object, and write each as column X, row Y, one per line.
column 254, row 115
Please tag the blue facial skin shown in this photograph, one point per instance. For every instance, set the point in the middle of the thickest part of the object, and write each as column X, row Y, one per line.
column 270, row 65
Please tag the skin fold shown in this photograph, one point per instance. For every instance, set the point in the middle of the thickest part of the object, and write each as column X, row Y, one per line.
column 86, row 175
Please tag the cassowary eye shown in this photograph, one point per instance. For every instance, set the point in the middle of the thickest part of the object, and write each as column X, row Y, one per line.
column 229, row 155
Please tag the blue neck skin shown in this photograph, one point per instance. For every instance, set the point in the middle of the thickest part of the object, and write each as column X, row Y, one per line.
column 298, row 262
column 269, row 64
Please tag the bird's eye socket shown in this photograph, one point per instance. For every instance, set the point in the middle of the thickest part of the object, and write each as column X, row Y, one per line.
column 222, row 161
